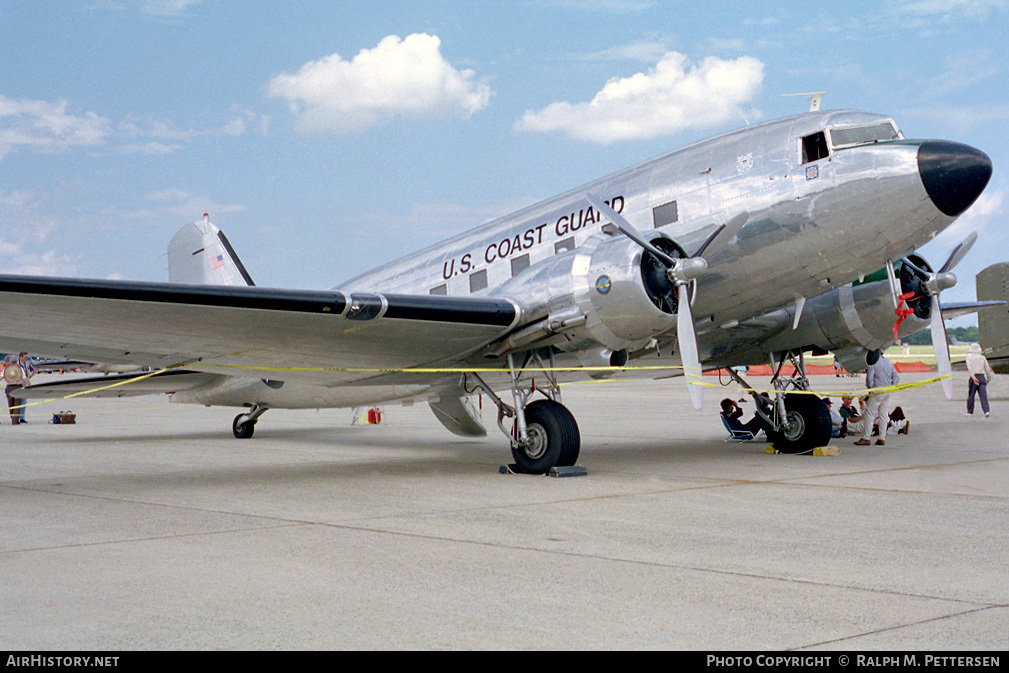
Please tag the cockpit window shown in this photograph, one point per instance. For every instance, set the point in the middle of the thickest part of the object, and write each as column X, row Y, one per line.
column 814, row 147
column 863, row 135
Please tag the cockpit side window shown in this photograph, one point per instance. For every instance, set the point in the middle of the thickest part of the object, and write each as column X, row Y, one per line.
column 814, row 147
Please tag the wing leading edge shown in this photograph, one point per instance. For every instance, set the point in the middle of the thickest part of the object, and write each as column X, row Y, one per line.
column 250, row 331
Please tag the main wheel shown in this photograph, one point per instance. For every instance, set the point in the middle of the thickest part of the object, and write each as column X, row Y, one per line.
column 807, row 425
column 553, row 438
column 243, row 429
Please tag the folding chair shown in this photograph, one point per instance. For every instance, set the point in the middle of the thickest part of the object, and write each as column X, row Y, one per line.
column 736, row 435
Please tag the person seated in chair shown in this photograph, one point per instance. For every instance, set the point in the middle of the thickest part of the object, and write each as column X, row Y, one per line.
column 732, row 413
column 838, row 425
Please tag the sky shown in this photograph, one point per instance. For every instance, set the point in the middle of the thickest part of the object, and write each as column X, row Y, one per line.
column 327, row 138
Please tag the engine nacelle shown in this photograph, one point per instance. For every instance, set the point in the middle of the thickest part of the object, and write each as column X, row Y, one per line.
column 856, row 321
column 619, row 288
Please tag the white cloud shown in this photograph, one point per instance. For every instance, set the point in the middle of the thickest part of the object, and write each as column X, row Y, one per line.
column 648, row 51
column 945, row 10
column 25, row 228
column 48, row 263
column 48, row 126
column 167, row 7
column 152, row 136
column 608, row 6
column 405, row 78
column 669, row 98
column 186, row 204
column 168, row 195
column 147, row 148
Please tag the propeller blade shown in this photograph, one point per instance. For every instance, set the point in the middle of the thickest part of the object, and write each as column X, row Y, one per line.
column 958, row 252
column 708, row 240
column 731, row 227
column 941, row 347
column 627, row 229
column 686, row 335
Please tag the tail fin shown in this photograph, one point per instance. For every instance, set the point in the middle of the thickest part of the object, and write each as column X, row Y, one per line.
column 200, row 254
column 993, row 324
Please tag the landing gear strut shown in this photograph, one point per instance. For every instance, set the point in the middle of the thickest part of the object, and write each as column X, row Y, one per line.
column 798, row 422
column 245, row 424
column 544, row 433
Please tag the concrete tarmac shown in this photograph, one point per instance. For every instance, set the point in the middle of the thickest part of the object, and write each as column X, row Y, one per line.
column 148, row 526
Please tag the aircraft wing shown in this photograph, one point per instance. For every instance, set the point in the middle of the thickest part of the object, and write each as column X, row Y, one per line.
column 307, row 336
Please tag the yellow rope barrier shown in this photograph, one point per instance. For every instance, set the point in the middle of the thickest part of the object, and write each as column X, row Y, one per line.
column 25, row 405
column 879, row 390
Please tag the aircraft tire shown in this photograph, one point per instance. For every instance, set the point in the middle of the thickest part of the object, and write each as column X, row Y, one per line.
column 553, row 438
column 243, row 429
column 809, row 425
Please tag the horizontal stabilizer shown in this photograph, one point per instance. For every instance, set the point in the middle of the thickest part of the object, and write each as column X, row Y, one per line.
column 960, row 309
column 119, row 385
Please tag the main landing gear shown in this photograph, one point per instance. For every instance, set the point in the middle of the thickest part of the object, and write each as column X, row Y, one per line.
column 245, row 424
column 544, row 433
column 798, row 422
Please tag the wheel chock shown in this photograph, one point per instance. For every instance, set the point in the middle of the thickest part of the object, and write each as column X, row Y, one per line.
column 568, row 471
column 826, row 451
column 565, row 471
column 770, row 449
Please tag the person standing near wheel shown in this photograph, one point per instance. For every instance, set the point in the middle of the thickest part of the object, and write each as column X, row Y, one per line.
column 877, row 406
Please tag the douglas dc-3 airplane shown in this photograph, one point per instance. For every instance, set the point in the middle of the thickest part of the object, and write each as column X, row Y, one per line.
column 755, row 245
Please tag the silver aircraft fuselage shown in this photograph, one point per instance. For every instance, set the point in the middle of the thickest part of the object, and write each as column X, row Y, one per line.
column 859, row 208
column 823, row 199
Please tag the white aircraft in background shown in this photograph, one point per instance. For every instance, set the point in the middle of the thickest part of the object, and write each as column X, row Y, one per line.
column 751, row 246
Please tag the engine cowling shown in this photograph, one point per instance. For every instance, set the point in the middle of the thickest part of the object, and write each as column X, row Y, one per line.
column 617, row 286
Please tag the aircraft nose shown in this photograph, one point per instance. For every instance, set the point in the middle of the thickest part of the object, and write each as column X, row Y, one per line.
column 954, row 175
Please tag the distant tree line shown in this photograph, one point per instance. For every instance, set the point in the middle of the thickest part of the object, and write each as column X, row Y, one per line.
column 953, row 335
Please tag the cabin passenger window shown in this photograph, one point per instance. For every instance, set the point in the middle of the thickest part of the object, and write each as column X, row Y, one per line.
column 566, row 244
column 665, row 214
column 520, row 264
column 441, row 289
column 478, row 281
column 814, row 147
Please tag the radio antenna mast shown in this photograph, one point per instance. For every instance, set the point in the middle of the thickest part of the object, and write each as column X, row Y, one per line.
column 813, row 98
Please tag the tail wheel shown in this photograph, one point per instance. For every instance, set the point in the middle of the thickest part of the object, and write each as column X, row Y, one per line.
column 243, row 429
column 807, row 425
column 554, row 439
